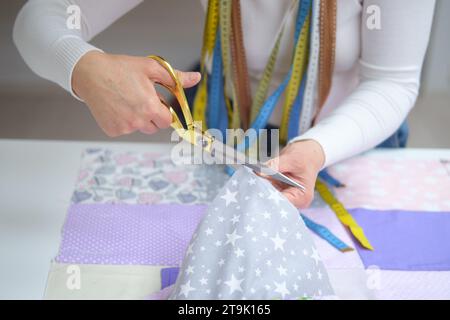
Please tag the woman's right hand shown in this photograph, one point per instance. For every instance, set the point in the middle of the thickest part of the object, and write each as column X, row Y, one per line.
column 120, row 91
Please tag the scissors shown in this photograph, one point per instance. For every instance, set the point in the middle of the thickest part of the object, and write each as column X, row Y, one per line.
column 193, row 133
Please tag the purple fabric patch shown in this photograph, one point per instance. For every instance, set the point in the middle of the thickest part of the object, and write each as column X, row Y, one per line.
column 128, row 234
column 406, row 240
column 169, row 276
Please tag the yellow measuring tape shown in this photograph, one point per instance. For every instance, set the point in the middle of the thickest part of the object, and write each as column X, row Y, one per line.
column 263, row 85
column 343, row 215
column 209, row 38
column 225, row 36
column 298, row 71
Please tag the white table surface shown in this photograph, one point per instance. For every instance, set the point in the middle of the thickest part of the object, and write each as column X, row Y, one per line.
column 36, row 183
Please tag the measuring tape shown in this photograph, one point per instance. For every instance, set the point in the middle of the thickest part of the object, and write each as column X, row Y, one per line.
column 312, row 72
column 225, row 36
column 296, row 111
column 269, row 105
column 217, row 116
column 326, row 234
column 325, row 176
column 298, row 68
column 209, row 39
column 299, row 100
column 264, row 83
column 300, row 37
column 221, row 12
column 343, row 215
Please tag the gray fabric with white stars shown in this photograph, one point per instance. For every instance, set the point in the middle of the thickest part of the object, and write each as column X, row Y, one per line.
column 251, row 244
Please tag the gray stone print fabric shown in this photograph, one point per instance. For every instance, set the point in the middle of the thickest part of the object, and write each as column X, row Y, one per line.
column 251, row 244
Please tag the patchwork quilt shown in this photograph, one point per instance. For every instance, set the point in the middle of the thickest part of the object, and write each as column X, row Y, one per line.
column 138, row 224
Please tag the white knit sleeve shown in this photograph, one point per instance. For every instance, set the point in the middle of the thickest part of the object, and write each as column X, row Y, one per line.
column 50, row 46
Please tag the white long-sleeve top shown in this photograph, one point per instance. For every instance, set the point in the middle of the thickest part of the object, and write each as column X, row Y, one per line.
column 376, row 76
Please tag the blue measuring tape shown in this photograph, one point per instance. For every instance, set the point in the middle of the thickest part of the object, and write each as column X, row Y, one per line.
column 263, row 116
column 295, row 112
column 298, row 103
column 267, row 108
column 269, row 105
column 217, row 116
column 326, row 234
column 325, row 176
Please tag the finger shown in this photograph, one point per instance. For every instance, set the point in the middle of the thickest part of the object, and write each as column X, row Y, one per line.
column 281, row 163
column 149, row 128
column 297, row 197
column 158, row 74
column 277, row 184
column 161, row 115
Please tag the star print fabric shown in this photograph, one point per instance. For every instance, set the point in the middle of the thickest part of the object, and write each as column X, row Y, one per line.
column 251, row 244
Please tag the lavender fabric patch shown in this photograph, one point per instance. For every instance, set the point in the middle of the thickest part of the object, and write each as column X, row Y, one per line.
column 128, row 234
column 406, row 240
column 169, row 276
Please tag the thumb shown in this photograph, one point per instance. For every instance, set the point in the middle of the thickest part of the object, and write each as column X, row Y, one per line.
column 280, row 163
column 159, row 74
column 189, row 79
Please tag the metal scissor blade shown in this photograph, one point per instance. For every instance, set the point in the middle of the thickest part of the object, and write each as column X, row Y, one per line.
column 259, row 168
column 232, row 157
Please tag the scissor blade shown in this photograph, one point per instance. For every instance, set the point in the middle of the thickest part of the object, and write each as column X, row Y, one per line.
column 275, row 175
column 233, row 157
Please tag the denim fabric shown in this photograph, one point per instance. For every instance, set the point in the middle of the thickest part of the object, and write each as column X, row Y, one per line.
column 399, row 139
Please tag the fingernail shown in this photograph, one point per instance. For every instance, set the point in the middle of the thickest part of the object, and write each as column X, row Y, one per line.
column 194, row 75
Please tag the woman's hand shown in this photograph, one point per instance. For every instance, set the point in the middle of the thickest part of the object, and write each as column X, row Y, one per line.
column 302, row 162
column 120, row 93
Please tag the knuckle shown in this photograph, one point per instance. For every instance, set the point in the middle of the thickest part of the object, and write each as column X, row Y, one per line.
column 148, row 107
column 166, row 119
column 125, row 127
column 112, row 133
column 135, row 124
column 153, row 63
column 150, row 129
column 165, row 124
column 148, row 112
column 150, row 64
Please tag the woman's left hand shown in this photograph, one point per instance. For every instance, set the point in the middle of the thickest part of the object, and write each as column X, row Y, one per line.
column 302, row 162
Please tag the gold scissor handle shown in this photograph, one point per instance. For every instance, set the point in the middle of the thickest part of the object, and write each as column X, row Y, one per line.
column 190, row 133
column 178, row 91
